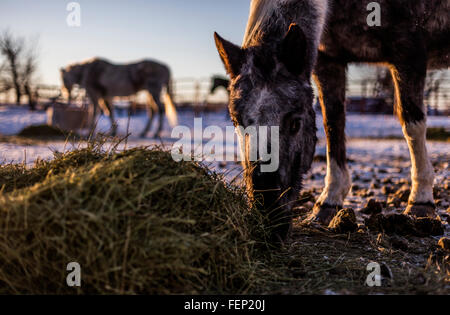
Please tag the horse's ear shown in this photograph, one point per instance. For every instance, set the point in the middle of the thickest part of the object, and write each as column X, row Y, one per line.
column 293, row 50
column 231, row 55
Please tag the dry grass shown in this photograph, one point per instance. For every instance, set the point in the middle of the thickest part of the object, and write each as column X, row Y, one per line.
column 439, row 134
column 433, row 134
column 140, row 223
column 42, row 131
column 137, row 222
column 39, row 135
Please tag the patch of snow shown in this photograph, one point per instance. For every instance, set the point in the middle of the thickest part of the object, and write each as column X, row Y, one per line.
column 14, row 119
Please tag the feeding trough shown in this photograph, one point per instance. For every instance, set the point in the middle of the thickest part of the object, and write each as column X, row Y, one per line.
column 69, row 117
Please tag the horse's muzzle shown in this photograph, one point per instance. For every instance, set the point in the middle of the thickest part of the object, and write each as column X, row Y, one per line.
column 273, row 202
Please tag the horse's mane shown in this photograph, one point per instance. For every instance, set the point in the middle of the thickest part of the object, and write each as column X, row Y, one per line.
column 259, row 11
column 262, row 10
column 88, row 61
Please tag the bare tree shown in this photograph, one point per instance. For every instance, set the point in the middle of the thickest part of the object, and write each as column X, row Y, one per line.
column 19, row 66
column 434, row 89
column 5, row 84
column 11, row 48
column 384, row 85
column 27, row 71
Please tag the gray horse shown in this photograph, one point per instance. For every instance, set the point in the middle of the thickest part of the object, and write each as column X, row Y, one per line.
column 103, row 80
column 285, row 41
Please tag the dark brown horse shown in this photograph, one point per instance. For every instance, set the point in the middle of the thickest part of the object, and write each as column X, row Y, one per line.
column 286, row 42
column 219, row 82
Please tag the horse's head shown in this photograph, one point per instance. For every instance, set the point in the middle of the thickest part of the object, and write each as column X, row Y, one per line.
column 69, row 76
column 271, row 86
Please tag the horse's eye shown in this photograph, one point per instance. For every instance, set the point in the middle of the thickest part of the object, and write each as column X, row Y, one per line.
column 295, row 126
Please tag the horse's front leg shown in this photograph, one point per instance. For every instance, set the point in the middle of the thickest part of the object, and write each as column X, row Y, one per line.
column 151, row 105
column 109, row 109
column 330, row 76
column 156, row 94
column 409, row 80
column 95, row 110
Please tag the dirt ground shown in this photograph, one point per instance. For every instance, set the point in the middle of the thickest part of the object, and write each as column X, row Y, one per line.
column 317, row 260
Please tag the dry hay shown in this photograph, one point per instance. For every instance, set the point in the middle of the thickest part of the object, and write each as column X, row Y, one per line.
column 42, row 131
column 440, row 134
column 137, row 222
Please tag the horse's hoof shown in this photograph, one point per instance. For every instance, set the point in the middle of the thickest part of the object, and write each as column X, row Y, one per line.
column 323, row 214
column 143, row 135
column 421, row 210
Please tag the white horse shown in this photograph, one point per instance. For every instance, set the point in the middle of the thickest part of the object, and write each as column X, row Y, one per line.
column 103, row 80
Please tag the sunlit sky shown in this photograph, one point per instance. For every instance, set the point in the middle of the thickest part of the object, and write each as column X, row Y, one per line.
column 177, row 32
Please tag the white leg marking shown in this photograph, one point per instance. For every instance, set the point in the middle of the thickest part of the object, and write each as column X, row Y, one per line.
column 337, row 184
column 422, row 173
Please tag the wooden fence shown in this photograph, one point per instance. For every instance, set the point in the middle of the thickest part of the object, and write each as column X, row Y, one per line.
column 194, row 92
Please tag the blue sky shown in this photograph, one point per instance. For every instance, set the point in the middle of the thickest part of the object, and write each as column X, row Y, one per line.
column 177, row 32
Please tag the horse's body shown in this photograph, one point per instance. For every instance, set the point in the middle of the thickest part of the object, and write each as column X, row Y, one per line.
column 286, row 40
column 103, row 80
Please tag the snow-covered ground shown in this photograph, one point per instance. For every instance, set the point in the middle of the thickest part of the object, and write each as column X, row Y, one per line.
column 13, row 120
column 371, row 160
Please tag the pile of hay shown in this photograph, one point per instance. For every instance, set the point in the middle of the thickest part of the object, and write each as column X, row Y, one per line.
column 137, row 223
column 42, row 132
column 438, row 134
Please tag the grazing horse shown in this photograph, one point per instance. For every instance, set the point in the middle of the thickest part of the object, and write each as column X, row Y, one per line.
column 103, row 80
column 288, row 41
column 217, row 82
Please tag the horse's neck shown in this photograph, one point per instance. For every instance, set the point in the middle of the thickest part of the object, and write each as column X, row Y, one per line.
column 78, row 74
column 270, row 19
